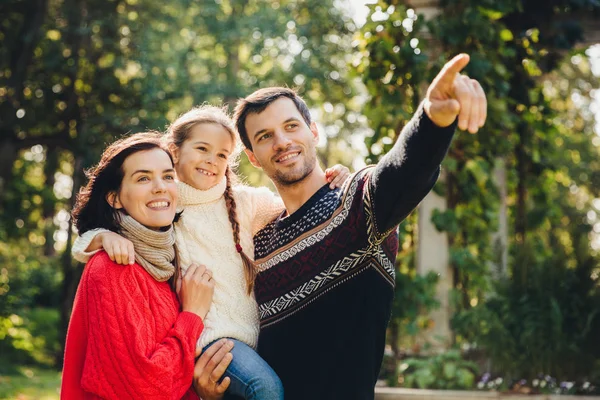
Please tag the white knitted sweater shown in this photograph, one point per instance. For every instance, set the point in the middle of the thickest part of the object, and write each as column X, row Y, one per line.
column 204, row 236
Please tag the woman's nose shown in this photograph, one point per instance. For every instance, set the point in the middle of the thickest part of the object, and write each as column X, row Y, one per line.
column 159, row 186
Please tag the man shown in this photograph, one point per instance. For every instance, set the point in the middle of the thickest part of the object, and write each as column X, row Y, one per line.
column 326, row 264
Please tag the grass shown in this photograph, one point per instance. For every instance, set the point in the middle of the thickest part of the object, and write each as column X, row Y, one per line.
column 30, row 384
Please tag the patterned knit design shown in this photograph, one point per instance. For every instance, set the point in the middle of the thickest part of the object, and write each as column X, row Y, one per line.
column 325, row 272
column 127, row 338
column 316, row 214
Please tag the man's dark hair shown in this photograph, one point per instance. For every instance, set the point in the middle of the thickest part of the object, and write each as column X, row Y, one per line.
column 91, row 208
column 258, row 101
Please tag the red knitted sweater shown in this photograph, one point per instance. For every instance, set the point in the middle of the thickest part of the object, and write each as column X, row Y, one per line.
column 127, row 338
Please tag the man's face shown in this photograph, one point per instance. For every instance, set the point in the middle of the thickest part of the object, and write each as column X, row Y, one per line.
column 283, row 145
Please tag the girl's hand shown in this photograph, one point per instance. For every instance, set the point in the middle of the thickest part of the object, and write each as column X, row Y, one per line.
column 337, row 175
column 119, row 249
column 196, row 290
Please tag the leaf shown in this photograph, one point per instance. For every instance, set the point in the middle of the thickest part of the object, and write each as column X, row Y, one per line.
column 449, row 370
column 506, row 35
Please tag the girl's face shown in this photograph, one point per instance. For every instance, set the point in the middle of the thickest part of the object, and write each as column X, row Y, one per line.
column 202, row 159
column 148, row 190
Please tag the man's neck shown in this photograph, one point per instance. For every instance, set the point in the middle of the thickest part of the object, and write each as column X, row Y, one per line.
column 294, row 196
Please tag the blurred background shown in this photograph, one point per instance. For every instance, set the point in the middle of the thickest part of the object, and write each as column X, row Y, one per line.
column 497, row 283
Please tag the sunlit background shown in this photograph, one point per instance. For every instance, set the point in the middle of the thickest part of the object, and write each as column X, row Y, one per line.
column 502, row 260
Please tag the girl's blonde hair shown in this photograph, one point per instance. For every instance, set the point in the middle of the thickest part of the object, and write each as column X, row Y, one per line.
column 179, row 131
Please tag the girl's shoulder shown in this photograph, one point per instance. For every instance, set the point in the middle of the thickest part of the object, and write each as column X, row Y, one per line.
column 251, row 193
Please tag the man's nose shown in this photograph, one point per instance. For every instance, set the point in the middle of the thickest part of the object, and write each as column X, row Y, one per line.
column 282, row 141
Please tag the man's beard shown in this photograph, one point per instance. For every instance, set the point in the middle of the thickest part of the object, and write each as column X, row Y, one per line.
column 293, row 178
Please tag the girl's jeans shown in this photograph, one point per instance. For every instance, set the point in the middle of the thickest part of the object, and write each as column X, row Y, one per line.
column 251, row 377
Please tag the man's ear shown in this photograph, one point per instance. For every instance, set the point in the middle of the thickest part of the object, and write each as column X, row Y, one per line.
column 315, row 131
column 252, row 158
column 113, row 200
column 174, row 152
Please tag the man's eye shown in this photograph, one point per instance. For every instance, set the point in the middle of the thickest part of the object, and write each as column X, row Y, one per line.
column 265, row 136
column 292, row 126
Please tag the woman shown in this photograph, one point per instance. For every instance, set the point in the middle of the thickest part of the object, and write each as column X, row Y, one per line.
column 129, row 335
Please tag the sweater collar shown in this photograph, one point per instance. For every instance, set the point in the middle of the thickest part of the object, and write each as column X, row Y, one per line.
column 189, row 196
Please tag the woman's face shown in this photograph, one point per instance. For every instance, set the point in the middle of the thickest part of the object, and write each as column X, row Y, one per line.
column 148, row 191
column 202, row 159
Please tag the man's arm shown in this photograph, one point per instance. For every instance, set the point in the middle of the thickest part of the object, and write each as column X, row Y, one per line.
column 407, row 173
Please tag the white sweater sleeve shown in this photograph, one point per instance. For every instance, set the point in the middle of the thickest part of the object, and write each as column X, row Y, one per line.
column 266, row 205
column 82, row 243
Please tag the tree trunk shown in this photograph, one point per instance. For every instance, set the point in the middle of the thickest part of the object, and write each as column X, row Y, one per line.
column 233, row 50
column 71, row 273
column 50, row 168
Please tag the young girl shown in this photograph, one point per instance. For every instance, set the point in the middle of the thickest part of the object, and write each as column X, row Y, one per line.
column 203, row 143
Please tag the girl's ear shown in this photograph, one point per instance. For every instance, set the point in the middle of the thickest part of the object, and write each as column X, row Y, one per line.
column 113, row 200
column 174, row 152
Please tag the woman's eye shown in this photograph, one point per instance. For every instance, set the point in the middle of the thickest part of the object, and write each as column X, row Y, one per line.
column 201, row 148
column 169, row 177
column 143, row 179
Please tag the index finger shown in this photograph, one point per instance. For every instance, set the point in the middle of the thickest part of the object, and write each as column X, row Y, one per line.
column 451, row 68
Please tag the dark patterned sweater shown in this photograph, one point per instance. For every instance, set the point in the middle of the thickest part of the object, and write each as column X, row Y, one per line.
column 327, row 273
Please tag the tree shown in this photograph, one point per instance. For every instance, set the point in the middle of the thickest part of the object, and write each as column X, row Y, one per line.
column 76, row 74
column 525, row 127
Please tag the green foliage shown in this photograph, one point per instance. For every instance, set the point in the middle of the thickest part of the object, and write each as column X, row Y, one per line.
column 76, row 75
column 415, row 298
column 447, row 371
column 546, row 323
column 539, row 129
column 29, row 299
column 28, row 337
column 30, row 384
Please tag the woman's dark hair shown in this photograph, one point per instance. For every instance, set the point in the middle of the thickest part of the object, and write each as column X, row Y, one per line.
column 91, row 208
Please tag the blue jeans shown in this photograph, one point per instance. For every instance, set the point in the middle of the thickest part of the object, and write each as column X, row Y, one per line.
column 251, row 377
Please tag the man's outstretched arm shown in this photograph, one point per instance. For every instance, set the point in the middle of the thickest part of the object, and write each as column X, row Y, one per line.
column 407, row 173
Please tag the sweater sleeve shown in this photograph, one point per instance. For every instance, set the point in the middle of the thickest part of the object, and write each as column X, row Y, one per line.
column 124, row 357
column 265, row 206
column 82, row 243
column 408, row 171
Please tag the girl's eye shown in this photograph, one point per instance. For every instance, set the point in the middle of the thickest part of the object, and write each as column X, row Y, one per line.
column 223, row 156
column 201, row 148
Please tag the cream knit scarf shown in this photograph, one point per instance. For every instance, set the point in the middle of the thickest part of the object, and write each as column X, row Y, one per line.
column 154, row 250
